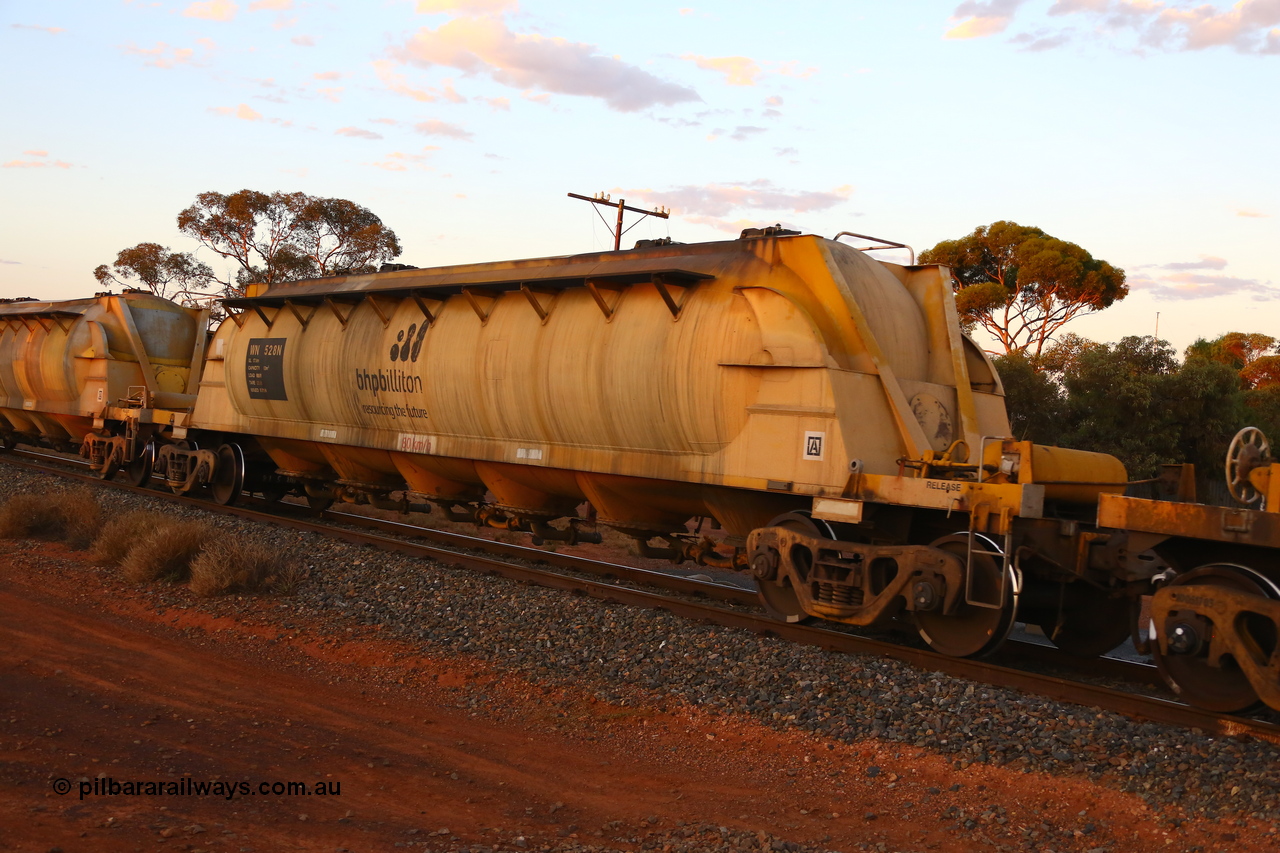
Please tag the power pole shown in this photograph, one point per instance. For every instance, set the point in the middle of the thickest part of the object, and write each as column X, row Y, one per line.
column 604, row 200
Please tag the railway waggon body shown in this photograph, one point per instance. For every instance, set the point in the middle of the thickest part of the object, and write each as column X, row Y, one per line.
column 781, row 404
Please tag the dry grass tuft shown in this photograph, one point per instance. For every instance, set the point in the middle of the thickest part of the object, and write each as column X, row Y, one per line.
column 73, row 516
column 27, row 515
column 112, row 544
column 244, row 565
column 166, row 552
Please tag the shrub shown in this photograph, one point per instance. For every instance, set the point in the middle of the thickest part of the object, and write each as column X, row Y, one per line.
column 113, row 542
column 72, row 515
column 244, row 565
column 27, row 515
column 166, row 552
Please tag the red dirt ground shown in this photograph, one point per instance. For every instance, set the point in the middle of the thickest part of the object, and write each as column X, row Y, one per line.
column 96, row 682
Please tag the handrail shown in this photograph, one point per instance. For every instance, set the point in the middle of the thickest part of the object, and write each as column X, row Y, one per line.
column 884, row 244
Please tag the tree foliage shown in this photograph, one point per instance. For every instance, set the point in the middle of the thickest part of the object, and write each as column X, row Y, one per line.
column 1255, row 356
column 1255, row 360
column 272, row 237
column 341, row 236
column 1131, row 399
column 288, row 236
column 159, row 269
column 1022, row 285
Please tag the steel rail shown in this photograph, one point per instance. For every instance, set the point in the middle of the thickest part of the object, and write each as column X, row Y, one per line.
column 1013, row 651
column 1134, row 705
column 710, row 589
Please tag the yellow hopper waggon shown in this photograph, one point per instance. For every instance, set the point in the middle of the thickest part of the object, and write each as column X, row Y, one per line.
column 780, row 404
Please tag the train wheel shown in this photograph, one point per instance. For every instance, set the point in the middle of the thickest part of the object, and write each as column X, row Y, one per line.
column 138, row 472
column 110, row 467
column 782, row 602
column 1223, row 689
column 971, row 629
column 319, row 504
column 274, row 492
column 227, row 483
column 1088, row 631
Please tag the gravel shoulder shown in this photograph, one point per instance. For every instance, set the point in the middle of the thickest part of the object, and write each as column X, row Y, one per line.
column 520, row 718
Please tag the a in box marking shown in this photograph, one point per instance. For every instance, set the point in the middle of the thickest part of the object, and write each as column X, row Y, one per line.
column 815, row 445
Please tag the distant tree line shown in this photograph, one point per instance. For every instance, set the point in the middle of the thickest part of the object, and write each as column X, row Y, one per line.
column 1134, row 400
column 271, row 237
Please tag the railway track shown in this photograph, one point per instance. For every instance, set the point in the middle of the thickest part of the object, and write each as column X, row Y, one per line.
column 709, row 602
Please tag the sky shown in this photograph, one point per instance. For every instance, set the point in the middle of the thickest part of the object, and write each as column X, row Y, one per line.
column 1148, row 132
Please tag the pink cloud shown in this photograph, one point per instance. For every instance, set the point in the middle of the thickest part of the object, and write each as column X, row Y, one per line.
column 212, row 10
column 743, row 71
column 435, row 127
column 722, row 199
column 1183, row 282
column 327, row 75
column 399, row 84
column 1206, row 262
column 981, row 18
column 791, row 69
column 270, row 5
column 486, row 46
column 741, row 133
column 1200, row 286
column 467, row 7
column 164, row 56
column 400, row 161
column 737, row 70
column 1249, row 26
column 729, row 226
column 497, row 104
column 53, row 31
column 37, row 164
column 244, row 112
column 303, row 41
column 357, row 132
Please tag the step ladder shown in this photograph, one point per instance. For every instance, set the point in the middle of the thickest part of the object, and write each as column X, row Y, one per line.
column 979, row 544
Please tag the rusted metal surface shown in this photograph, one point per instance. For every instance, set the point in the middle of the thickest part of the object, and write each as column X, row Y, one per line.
column 69, row 368
column 1211, row 621
column 1130, row 704
column 550, row 381
column 1192, row 521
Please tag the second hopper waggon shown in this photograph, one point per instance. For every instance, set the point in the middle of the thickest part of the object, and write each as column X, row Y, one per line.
column 732, row 381
column 779, row 386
